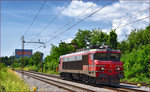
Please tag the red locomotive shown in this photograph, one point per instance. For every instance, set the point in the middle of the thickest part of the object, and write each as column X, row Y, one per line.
column 98, row 66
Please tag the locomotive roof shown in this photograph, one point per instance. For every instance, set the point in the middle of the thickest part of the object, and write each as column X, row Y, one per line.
column 88, row 51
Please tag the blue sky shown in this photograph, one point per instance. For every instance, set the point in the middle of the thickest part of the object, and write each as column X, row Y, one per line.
column 16, row 16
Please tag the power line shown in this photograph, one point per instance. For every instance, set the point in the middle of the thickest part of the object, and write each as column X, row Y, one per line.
column 73, row 19
column 79, row 22
column 115, row 28
column 110, row 24
column 35, row 18
column 134, row 14
column 91, row 15
column 132, row 22
column 129, row 16
column 51, row 21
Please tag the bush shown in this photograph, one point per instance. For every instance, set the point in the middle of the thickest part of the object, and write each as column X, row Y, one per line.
column 136, row 64
column 3, row 67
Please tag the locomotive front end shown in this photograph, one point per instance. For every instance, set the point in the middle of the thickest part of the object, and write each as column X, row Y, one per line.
column 108, row 67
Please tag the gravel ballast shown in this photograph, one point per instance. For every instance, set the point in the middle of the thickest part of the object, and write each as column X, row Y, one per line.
column 46, row 87
column 41, row 86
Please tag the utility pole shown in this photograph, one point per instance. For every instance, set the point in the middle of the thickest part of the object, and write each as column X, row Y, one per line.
column 22, row 56
column 23, row 41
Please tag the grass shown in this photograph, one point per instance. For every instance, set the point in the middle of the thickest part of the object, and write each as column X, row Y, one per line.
column 10, row 81
column 51, row 72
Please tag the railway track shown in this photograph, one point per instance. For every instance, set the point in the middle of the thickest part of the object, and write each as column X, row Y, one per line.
column 58, row 83
column 56, row 80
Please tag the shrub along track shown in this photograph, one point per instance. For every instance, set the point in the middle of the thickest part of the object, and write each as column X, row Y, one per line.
column 70, row 87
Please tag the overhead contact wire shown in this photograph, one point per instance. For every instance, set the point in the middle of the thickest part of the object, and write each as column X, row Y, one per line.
column 51, row 21
column 73, row 19
column 130, row 16
column 35, row 18
column 81, row 21
column 132, row 22
column 78, row 22
column 115, row 28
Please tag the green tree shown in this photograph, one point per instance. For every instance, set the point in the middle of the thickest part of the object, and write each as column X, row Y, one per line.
column 113, row 39
column 22, row 62
column 36, row 58
column 136, row 63
column 138, row 37
column 65, row 48
column 136, row 55
column 98, row 37
column 51, row 61
column 15, row 64
column 7, row 60
column 82, row 39
column 123, row 46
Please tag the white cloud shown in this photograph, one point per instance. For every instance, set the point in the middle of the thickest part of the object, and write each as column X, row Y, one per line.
column 68, row 40
column 113, row 14
column 106, row 31
column 77, row 7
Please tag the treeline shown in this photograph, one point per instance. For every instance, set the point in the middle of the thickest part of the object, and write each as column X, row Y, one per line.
column 134, row 48
column 7, row 61
column 135, row 56
column 34, row 62
column 83, row 39
column 87, row 38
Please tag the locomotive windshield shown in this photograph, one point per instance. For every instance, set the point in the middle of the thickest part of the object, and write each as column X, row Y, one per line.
column 107, row 56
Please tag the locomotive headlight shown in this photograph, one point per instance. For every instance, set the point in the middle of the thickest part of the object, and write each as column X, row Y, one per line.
column 102, row 68
column 118, row 68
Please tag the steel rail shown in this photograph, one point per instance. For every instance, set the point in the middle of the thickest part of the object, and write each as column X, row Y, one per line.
column 124, row 89
column 115, row 88
column 57, row 76
column 49, row 75
column 57, row 83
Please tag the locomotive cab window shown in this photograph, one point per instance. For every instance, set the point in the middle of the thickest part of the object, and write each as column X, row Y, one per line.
column 115, row 57
column 107, row 56
column 101, row 56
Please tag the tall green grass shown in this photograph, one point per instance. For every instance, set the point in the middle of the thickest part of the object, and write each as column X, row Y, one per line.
column 11, row 82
